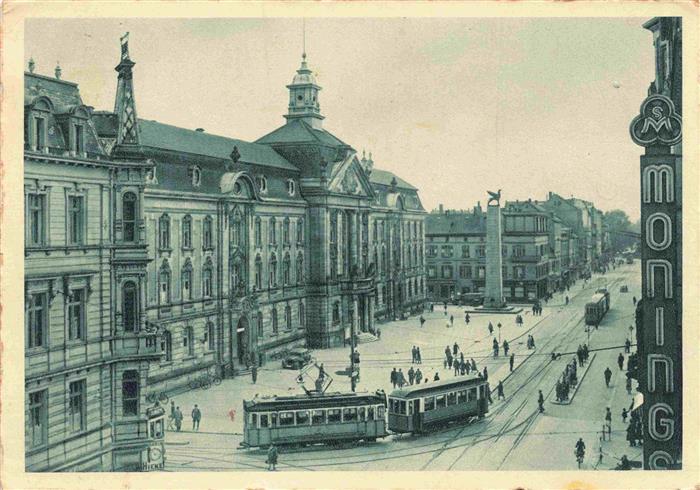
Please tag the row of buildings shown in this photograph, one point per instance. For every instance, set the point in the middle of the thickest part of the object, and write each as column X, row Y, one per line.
column 155, row 253
column 545, row 245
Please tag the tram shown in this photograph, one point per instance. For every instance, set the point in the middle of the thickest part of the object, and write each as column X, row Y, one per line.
column 416, row 408
column 314, row 418
column 596, row 308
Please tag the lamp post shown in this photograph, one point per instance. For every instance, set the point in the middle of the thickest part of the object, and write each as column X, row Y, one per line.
column 499, row 333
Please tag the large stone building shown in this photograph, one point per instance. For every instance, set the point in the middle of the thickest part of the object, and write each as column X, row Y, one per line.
column 177, row 251
column 545, row 246
column 87, row 342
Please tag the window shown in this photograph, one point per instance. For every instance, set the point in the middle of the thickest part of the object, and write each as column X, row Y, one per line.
column 350, row 414
column 429, row 403
column 302, row 315
column 75, row 220
column 130, row 306
column 236, row 224
column 39, row 133
column 38, row 418
column 285, row 231
column 164, row 284
column 186, row 281
column 482, row 272
column 300, row 268
column 196, row 174
column 262, row 183
column 286, row 418
column 258, row 232
column 440, row 401
column 36, row 320
column 129, row 216
column 471, row 395
column 207, row 280
column 77, row 405
column 206, row 233
column 432, row 251
column 333, row 415
column 300, row 231
column 76, row 315
column 274, row 321
column 36, row 219
column 287, row 270
column 187, row 232
column 259, row 323
column 264, row 420
column 164, row 233
column 336, row 313
column 273, row 231
column 273, row 271
column 79, row 143
column 302, row 417
column 465, row 272
column 465, row 251
column 447, row 250
column 130, row 392
column 258, row 273
column 481, row 250
column 318, row 417
column 210, row 335
column 237, row 282
column 447, row 271
column 462, row 396
column 288, row 317
column 166, row 345
column 188, row 341
column 291, row 187
column 452, row 398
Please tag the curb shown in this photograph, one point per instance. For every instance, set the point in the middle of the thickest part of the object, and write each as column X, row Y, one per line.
column 578, row 385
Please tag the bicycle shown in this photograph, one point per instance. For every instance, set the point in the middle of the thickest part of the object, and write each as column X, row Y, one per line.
column 206, row 380
column 161, row 397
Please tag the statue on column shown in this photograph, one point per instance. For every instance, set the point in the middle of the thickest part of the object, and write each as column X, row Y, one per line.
column 494, row 197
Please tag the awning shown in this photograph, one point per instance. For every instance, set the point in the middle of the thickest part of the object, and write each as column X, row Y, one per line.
column 638, row 401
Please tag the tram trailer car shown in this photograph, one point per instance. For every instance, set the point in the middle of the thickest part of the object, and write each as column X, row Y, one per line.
column 314, row 418
column 596, row 308
column 417, row 408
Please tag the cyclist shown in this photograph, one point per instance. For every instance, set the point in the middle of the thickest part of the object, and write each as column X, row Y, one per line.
column 580, row 451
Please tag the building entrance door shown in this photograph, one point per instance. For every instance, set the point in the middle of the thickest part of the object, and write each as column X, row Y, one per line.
column 242, row 339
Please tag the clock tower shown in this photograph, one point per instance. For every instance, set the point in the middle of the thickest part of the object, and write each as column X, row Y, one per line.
column 303, row 97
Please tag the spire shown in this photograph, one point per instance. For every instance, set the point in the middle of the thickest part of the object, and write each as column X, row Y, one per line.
column 303, row 93
column 124, row 104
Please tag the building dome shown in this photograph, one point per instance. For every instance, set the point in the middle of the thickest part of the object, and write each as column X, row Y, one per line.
column 304, row 75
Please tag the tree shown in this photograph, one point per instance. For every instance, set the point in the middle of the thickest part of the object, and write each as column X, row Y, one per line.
column 621, row 230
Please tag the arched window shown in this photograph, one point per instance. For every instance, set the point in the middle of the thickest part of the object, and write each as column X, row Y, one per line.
column 287, row 269
column 186, row 281
column 236, row 228
column 237, row 281
column 291, row 187
column 207, row 233
column 207, row 278
column 273, row 231
column 166, row 345
column 130, row 306
column 258, row 273
column 164, row 232
column 164, row 284
column 273, row 271
column 258, row 232
column 274, row 320
column 129, row 216
column 300, row 230
column 187, row 231
column 285, row 231
column 259, row 323
column 300, row 268
column 188, row 341
column 262, row 183
column 302, row 315
column 196, row 173
column 210, row 335
column 288, row 317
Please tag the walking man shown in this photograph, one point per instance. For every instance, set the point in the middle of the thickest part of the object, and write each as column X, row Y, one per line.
column 394, row 378
column 567, row 300
column 419, row 376
column 466, row 318
column 634, row 300
column 608, row 375
column 505, row 347
column 452, row 320
column 628, row 344
column 455, row 349
column 500, row 390
column 512, row 361
column 490, row 328
column 196, row 417
column 540, row 401
column 171, row 419
column 254, row 373
column 608, row 422
column 620, row 360
column 272, row 458
column 628, row 385
column 418, row 358
column 411, row 375
column 413, row 354
column 495, row 348
column 178, row 419
column 486, row 373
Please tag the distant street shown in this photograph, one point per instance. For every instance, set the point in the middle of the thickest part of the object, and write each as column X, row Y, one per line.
column 513, row 436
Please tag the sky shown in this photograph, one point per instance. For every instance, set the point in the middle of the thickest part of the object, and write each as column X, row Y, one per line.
column 454, row 106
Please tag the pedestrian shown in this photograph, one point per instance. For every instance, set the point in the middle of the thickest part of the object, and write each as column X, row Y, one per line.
column 473, row 363
column 558, row 391
column 436, row 377
column 608, row 418
column 419, row 376
column 449, row 361
column 511, row 362
column 499, row 389
column 490, row 328
column 418, row 357
column 455, row 365
column 466, row 318
column 178, row 419
column 540, row 402
column 467, row 367
column 585, row 352
column 322, row 372
column 171, row 419
column 495, row 348
column 630, row 434
column 394, row 378
column 422, row 321
column 462, row 367
column 620, row 360
column 452, row 320
column 379, row 333
column 196, row 417
column 272, row 458
column 401, row 380
column 413, row 354
column 505, row 348
column 254, row 373
column 624, row 415
column 411, row 375
column 455, row 349
column 634, row 301
column 461, row 357
column 608, row 375
column 567, row 300
column 628, row 344
column 486, row 373
column 628, row 385
column 532, row 341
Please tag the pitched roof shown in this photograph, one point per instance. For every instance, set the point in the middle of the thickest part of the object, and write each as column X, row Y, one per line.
column 299, row 131
column 455, row 224
column 384, row 177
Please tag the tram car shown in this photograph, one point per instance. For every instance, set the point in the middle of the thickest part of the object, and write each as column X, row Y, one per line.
column 596, row 308
column 417, row 408
column 314, row 418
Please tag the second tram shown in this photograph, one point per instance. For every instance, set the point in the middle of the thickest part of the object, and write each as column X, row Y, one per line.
column 596, row 308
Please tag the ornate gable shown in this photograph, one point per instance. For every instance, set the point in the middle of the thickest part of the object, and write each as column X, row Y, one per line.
column 349, row 178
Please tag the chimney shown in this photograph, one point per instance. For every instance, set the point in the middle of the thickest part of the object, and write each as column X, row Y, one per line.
column 200, row 130
column 441, row 208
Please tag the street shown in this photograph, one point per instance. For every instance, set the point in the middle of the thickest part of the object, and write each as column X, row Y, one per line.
column 514, row 436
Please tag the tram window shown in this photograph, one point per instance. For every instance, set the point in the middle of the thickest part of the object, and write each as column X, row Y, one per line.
column 410, row 408
column 303, row 417
column 263, row 420
column 317, row 417
column 254, row 419
column 380, row 412
column 349, row 414
column 482, row 391
column 361, row 413
column 273, row 420
column 429, row 403
column 462, row 396
column 472, row 395
column 452, row 398
column 402, row 408
column 333, row 415
column 286, row 418
column 370, row 413
column 440, row 401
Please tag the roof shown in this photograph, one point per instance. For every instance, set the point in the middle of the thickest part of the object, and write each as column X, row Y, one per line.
column 455, row 224
column 411, row 391
column 299, row 131
column 384, row 177
column 64, row 95
column 313, row 400
column 522, row 206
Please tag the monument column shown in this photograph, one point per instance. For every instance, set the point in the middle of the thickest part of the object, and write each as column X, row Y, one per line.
column 493, row 292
